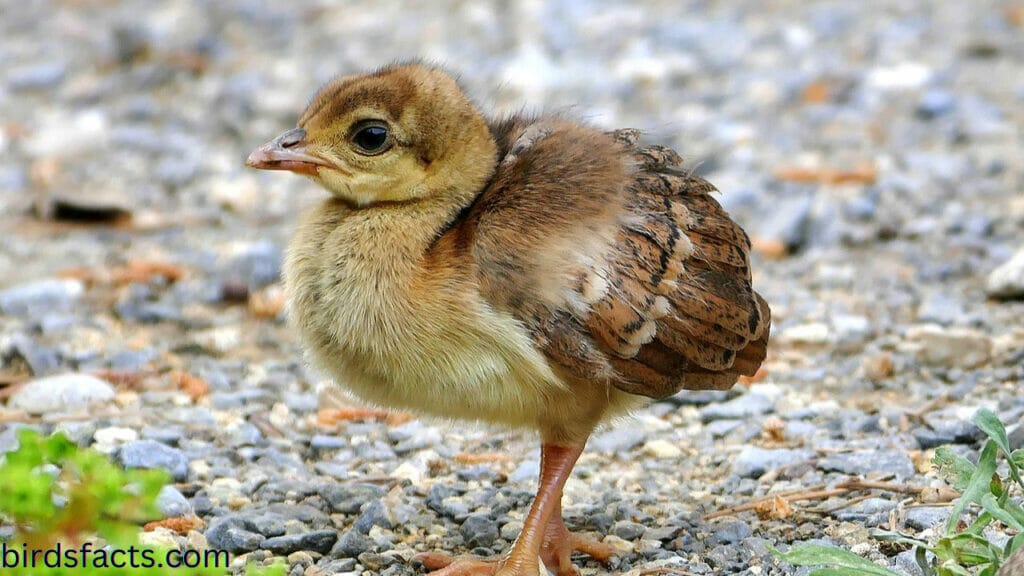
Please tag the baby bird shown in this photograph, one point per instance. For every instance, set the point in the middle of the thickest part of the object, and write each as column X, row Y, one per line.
column 531, row 272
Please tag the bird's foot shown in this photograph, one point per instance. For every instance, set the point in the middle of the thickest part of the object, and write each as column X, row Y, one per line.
column 559, row 544
column 441, row 564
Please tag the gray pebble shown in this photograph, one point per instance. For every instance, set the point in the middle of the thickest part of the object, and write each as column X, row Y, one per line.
column 351, row 544
column 528, row 470
column 42, row 360
column 320, row 541
column 172, row 503
column 258, row 265
column 349, row 498
column 479, row 530
column 753, row 462
column 861, row 463
column 940, row 308
column 741, row 407
column 43, row 76
column 227, row 534
column 621, row 439
column 324, row 442
column 935, row 103
column 153, row 454
column 729, row 533
column 41, row 296
column 628, row 530
column 374, row 514
column 788, row 221
column 926, row 517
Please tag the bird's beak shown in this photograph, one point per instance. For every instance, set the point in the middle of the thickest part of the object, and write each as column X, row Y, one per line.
column 286, row 152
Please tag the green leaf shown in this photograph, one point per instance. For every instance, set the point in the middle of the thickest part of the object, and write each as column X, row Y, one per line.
column 951, row 568
column 898, row 537
column 976, row 486
column 954, row 467
column 990, row 424
column 1000, row 513
column 834, row 558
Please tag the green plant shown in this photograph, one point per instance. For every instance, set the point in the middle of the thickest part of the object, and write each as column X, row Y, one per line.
column 61, row 499
column 964, row 549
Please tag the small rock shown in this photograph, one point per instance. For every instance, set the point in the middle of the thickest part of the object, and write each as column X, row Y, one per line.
column 753, row 462
column 324, row 442
column 349, row 498
column 160, row 537
column 152, row 454
column 863, row 462
column 171, row 503
column 374, row 514
column 1005, row 282
column 628, row 530
column 935, row 103
column 848, row 329
column 226, row 534
column 71, row 392
column 950, row 347
column 351, row 545
column 256, row 265
column 527, row 471
column 662, row 449
column 510, row 530
column 42, row 360
column 812, row 333
column 320, row 541
column 479, row 530
column 742, row 407
column 42, row 76
column 729, row 533
column 621, row 439
column 788, row 223
column 940, row 308
column 41, row 297
column 926, row 517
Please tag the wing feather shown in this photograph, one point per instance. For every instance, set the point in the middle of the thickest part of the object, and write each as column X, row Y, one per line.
column 663, row 303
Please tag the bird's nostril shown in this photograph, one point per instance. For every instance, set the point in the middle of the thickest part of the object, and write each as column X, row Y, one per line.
column 292, row 137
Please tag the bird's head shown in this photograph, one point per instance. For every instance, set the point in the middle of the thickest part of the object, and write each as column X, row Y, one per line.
column 404, row 132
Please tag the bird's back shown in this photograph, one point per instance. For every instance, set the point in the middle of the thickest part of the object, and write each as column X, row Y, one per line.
column 622, row 266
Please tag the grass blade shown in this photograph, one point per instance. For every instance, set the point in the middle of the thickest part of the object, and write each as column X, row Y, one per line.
column 837, row 562
column 977, row 486
column 990, row 424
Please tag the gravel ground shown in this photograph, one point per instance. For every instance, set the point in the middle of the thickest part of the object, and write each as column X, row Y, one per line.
column 874, row 150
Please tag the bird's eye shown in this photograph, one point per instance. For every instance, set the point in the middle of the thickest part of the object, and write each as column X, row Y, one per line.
column 371, row 138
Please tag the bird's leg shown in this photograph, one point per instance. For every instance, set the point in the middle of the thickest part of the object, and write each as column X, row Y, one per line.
column 556, row 463
column 559, row 544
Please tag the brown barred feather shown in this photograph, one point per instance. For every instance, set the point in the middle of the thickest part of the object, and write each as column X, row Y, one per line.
column 676, row 309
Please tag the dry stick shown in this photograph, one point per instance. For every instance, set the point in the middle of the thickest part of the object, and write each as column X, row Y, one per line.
column 796, row 496
column 658, row 572
column 818, row 493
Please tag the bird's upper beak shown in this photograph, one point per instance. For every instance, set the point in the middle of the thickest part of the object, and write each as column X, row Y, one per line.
column 286, row 152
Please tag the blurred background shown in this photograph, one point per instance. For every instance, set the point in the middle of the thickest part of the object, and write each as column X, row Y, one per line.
column 873, row 149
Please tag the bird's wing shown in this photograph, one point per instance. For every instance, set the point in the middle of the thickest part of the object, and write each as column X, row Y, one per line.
column 622, row 266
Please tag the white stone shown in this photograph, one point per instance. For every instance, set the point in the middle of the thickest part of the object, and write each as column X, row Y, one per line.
column 662, row 449
column 108, row 439
column 950, row 347
column 1007, row 281
column 72, row 392
column 810, row 333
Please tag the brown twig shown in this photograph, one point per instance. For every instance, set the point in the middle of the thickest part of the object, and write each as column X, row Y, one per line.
column 658, row 572
column 790, row 496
